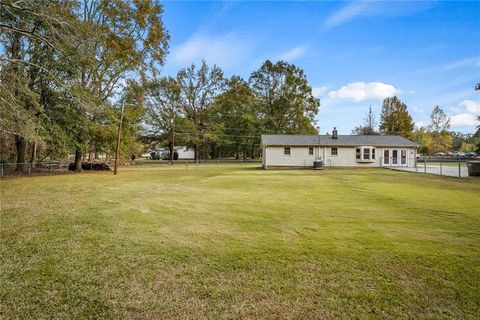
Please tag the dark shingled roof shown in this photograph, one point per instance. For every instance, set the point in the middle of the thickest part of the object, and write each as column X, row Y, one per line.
column 343, row 140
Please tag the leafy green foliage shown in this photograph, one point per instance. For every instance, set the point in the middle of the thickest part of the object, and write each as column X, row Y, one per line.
column 441, row 140
column 395, row 119
column 286, row 103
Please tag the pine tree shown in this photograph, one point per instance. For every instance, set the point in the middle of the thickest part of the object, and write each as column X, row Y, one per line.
column 395, row 119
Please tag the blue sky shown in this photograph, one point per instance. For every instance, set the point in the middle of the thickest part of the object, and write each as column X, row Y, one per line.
column 354, row 53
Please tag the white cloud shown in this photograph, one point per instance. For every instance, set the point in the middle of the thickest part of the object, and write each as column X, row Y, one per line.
column 292, row 54
column 347, row 13
column 318, row 92
column 471, row 106
column 470, row 62
column 361, row 8
column 420, row 124
column 361, row 91
column 470, row 109
column 223, row 50
column 463, row 119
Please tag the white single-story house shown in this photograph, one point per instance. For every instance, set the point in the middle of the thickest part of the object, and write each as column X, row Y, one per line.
column 184, row 153
column 337, row 151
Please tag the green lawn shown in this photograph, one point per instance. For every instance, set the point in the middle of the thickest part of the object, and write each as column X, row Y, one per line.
column 235, row 241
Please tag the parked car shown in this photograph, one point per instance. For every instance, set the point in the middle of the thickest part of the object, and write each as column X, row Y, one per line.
column 166, row 155
column 458, row 154
column 440, row 154
column 471, row 155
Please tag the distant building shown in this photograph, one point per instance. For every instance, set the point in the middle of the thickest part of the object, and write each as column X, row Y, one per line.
column 184, row 153
column 337, row 151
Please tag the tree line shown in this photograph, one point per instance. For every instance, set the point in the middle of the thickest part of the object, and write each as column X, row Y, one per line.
column 64, row 67
column 433, row 138
column 224, row 117
column 67, row 66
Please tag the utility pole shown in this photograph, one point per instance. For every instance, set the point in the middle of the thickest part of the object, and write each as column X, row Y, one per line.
column 172, row 153
column 117, row 150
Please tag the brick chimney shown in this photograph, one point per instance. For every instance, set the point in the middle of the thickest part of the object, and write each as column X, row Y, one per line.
column 335, row 133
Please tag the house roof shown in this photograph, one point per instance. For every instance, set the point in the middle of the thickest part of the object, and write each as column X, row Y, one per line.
column 343, row 140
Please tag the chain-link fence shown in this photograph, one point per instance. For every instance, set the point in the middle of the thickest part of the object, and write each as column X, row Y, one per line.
column 443, row 167
column 7, row 169
column 14, row 169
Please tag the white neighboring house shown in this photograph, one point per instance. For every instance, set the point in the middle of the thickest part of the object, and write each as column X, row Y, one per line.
column 184, row 153
column 337, row 151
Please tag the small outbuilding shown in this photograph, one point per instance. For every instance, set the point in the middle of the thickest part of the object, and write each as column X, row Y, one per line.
column 337, row 151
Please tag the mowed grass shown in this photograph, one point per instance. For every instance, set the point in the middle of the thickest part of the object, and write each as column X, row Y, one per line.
column 240, row 242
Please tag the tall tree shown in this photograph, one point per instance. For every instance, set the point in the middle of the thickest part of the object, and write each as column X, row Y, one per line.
column 368, row 126
column 163, row 111
column 439, row 121
column 441, row 140
column 117, row 40
column 198, row 89
column 423, row 138
column 286, row 102
column 235, row 109
column 395, row 119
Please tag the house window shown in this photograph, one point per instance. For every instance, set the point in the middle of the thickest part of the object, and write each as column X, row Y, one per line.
column 403, row 155
column 394, row 156
column 310, row 150
column 286, row 150
column 366, row 154
column 334, row 151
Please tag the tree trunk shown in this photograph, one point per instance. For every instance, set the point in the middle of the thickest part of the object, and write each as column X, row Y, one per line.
column 237, row 156
column 195, row 148
column 78, row 160
column 171, row 149
column 21, row 145
column 33, row 159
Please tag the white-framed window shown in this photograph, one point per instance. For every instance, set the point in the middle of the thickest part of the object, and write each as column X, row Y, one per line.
column 286, row 151
column 310, row 151
column 334, row 151
column 365, row 154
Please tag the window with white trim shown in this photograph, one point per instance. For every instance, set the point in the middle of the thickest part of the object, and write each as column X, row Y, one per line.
column 286, row 151
column 310, row 150
column 365, row 154
column 334, row 151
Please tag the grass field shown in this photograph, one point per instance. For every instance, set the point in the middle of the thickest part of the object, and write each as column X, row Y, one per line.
column 239, row 242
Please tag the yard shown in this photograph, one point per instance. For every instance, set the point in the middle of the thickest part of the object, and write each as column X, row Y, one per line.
column 234, row 241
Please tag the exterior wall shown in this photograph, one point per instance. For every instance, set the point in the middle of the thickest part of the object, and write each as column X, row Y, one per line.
column 346, row 157
column 184, row 154
column 298, row 157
